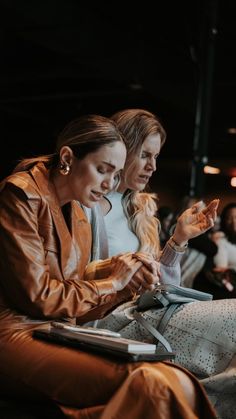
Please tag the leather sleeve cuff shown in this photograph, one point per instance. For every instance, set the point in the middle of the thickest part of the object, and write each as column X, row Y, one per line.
column 105, row 287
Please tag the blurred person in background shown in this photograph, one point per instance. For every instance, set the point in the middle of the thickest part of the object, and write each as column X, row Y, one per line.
column 223, row 274
column 225, row 238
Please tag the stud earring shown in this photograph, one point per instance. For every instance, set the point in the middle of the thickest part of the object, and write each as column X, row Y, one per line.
column 64, row 168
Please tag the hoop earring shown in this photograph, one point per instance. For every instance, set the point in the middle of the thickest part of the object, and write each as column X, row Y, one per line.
column 64, row 168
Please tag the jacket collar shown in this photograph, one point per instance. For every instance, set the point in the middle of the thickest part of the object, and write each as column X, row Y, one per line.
column 41, row 176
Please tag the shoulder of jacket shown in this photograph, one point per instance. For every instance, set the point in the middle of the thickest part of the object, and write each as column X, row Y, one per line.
column 24, row 182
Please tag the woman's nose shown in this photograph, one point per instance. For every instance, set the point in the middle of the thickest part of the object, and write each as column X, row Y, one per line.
column 152, row 164
column 108, row 183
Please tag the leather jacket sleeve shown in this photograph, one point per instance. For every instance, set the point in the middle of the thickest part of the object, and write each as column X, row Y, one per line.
column 32, row 279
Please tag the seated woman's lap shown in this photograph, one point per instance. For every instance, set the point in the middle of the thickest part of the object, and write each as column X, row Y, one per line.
column 63, row 373
column 59, row 372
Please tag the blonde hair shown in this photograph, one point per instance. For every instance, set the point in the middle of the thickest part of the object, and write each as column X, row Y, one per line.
column 140, row 209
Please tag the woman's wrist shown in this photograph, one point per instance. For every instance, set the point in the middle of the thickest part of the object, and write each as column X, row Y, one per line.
column 105, row 286
column 178, row 246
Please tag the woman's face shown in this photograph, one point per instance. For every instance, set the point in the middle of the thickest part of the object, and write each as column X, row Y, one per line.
column 93, row 176
column 138, row 169
column 230, row 220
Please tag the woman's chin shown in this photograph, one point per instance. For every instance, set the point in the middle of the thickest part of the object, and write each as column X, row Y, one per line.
column 88, row 203
column 140, row 187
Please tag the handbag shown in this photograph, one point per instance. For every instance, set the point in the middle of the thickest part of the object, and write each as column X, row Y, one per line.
column 166, row 294
column 171, row 297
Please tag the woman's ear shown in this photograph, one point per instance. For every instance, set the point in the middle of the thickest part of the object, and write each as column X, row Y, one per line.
column 66, row 159
column 66, row 155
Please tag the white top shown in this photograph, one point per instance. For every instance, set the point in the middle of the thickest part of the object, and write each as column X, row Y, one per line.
column 120, row 238
column 226, row 254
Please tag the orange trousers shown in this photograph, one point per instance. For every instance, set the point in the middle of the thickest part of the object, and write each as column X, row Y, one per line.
column 87, row 386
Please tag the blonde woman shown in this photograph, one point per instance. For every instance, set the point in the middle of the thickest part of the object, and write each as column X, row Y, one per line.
column 202, row 334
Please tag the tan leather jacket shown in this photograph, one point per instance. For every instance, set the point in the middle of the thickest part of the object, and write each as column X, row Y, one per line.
column 41, row 261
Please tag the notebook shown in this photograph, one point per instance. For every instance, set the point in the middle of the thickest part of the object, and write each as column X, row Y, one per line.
column 120, row 348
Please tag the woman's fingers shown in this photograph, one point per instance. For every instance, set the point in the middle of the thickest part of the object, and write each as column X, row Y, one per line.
column 120, row 255
column 143, row 280
column 150, row 279
column 137, row 271
column 124, row 267
column 211, row 207
column 209, row 214
column 197, row 207
column 146, row 279
column 149, row 262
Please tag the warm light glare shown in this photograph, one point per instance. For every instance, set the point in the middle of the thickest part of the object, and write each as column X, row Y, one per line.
column 210, row 170
column 233, row 182
column 232, row 130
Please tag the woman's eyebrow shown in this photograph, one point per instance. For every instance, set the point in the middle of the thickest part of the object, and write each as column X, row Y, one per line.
column 109, row 164
column 149, row 153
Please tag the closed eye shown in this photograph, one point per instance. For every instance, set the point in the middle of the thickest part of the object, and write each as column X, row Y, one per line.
column 145, row 155
column 102, row 170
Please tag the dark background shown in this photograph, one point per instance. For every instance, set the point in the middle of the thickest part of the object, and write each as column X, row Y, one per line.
column 65, row 58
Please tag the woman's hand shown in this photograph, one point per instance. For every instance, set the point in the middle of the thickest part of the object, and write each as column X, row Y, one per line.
column 124, row 267
column 195, row 221
column 148, row 275
column 133, row 272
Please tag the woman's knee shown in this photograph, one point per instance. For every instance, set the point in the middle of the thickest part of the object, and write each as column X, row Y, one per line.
column 153, row 391
column 188, row 388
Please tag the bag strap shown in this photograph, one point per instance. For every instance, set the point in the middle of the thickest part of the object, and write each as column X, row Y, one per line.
column 158, row 336
column 160, row 297
column 167, row 316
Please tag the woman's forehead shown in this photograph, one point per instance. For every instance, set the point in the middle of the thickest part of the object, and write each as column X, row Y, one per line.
column 152, row 143
column 113, row 154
